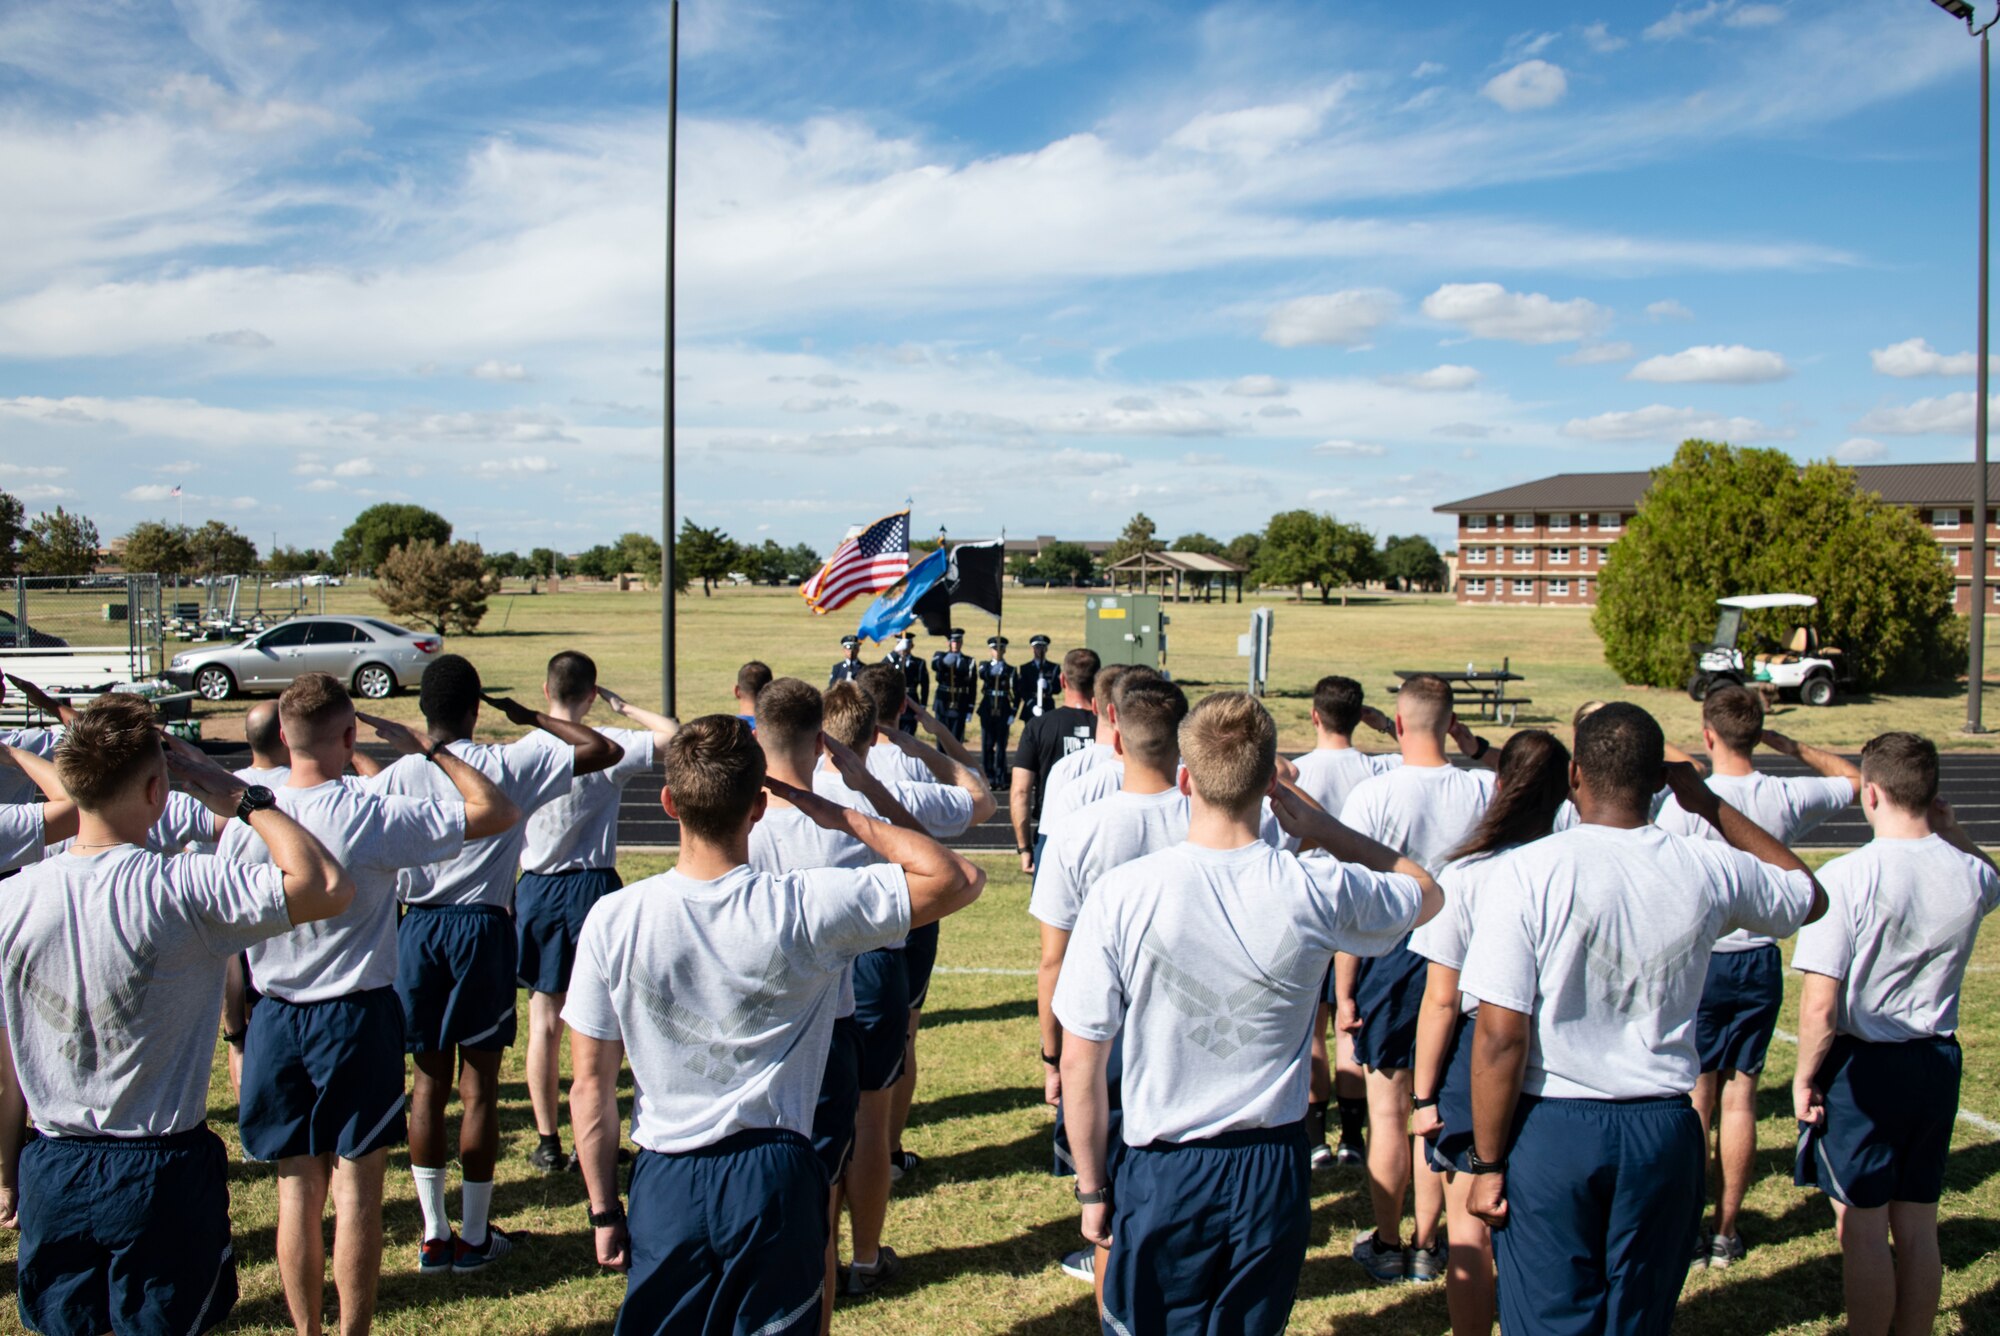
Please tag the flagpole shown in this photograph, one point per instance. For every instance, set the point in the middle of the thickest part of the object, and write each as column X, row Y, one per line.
column 1000, row 617
column 667, row 607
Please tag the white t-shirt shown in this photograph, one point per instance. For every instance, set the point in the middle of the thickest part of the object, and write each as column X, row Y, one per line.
column 1784, row 808
column 374, row 836
column 185, row 826
column 1066, row 788
column 724, row 992
column 1443, row 941
column 1603, row 936
column 16, row 787
column 1568, row 818
column 1101, row 837
column 1423, row 812
column 1210, row 961
column 273, row 779
column 111, row 981
column 530, row 774
column 580, row 829
column 787, row 840
column 1902, row 917
column 943, row 810
column 891, row 764
column 1327, row 775
column 22, row 834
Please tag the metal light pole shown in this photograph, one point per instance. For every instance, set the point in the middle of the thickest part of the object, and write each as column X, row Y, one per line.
column 667, row 706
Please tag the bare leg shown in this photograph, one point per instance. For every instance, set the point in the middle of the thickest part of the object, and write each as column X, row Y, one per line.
column 1388, row 1151
column 1867, row 1270
column 545, row 1029
column 1322, row 1064
column 302, row 1181
column 357, row 1237
column 832, row 1261
column 868, row 1176
column 1707, row 1092
column 1428, row 1190
column 430, row 1091
column 1738, row 1148
column 1469, row 1291
column 234, row 1019
column 1919, row 1270
column 479, row 1125
column 906, row 1085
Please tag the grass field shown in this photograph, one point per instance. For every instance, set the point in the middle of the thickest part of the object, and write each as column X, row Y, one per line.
column 1555, row 649
column 982, row 1224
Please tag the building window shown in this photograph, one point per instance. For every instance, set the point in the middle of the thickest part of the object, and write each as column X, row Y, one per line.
column 1583, row 589
column 1608, row 522
column 1558, row 589
column 1524, row 588
column 1524, row 523
column 1475, row 589
column 1559, row 556
column 1944, row 519
column 1524, row 556
column 1475, row 556
column 1559, row 523
column 1476, row 523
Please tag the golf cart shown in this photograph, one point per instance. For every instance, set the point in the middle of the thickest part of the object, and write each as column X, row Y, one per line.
column 1801, row 664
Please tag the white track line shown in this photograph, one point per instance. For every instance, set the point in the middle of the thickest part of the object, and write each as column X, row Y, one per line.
column 1966, row 1116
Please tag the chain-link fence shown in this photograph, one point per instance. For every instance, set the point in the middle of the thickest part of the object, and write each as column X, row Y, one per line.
column 100, row 614
column 229, row 607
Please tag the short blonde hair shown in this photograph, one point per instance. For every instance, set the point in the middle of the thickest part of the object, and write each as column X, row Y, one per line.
column 310, row 703
column 1425, row 702
column 1230, row 747
column 850, row 716
column 111, row 745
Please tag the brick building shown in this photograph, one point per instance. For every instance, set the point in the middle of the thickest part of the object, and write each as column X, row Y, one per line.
column 1545, row 542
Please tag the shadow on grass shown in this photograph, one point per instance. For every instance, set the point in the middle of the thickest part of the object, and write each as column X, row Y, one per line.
column 1806, row 1292
column 975, row 1104
column 1029, row 1253
column 1029, row 1152
column 1018, row 1009
column 1077, row 1316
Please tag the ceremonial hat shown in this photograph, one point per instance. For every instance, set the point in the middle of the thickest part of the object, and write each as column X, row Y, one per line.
column 996, row 642
column 1038, row 640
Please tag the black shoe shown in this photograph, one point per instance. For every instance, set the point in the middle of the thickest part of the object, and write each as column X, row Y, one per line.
column 549, row 1159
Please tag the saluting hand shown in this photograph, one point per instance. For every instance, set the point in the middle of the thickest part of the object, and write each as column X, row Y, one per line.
column 614, row 701
column 35, row 696
column 850, row 766
column 516, row 712
column 1376, row 720
column 400, row 736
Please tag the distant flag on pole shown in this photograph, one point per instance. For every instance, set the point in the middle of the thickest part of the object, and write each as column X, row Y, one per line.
column 176, row 491
column 866, row 562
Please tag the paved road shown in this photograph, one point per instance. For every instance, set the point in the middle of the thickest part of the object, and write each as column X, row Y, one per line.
column 1970, row 782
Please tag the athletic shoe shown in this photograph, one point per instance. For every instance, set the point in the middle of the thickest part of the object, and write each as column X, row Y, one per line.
column 903, row 1162
column 867, row 1280
column 1382, row 1262
column 1724, row 1251
column 1349, row 1155
column 1081, row 1265
column 434, row 1255
column 1322, row 1157
column 1427, row 1264
column 550, row 1160
column 1704, row 1246
column 467, row 1258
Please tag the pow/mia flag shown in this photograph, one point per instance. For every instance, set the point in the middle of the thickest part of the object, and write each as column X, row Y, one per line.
column 974, row 575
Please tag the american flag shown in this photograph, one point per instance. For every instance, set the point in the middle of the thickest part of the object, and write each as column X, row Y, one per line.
column 866, row 562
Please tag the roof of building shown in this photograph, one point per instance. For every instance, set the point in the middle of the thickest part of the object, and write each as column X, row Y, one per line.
column 1898, row 484
column 1097, row 547
column 1193, row 563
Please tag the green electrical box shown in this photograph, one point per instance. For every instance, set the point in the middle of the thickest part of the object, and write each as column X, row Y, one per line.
column 1126, row 628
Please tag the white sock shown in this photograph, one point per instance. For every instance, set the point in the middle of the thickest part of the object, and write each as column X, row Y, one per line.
column 430, row 1196
column 475, row 1200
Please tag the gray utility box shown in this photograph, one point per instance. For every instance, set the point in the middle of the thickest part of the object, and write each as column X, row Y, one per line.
column 1126, row 628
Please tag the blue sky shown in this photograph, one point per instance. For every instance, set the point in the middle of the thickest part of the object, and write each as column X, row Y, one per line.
column 1035, row 264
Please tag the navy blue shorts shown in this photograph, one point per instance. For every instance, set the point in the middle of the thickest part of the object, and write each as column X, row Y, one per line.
column 125, row 1234
column 1739, row 1009
column 455, row 975
column 839, row 1099
column 882, row 1011
column 549, row 909
column 1604, row 1203
column 1114, row 1127
column 919, row 959
column 1889, row 1115
column 1210, row 1234
column 727, row 1239
column 1389, row 995
column 1450, row 1149
column 322, row 1077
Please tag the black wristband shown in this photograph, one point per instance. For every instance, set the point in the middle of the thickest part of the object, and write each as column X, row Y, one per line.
column 1479, row 1166
column 234, row 1040
column 431, row 752
column 607, row 1219
column 1048, row 1061
column 1484, row 747
column 1101, row 1197
column 1430, row 1103
column 1022, row 849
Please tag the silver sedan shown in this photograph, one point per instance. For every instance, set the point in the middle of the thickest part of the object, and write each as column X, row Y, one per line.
column 372, row 656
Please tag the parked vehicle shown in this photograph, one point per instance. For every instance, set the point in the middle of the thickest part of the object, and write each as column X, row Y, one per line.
column 372, row 656
column 1801, row 664
column 11, row 636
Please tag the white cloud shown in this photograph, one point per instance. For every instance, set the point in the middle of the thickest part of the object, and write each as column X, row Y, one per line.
column 152, row 491
column 1596, row 354
column 1755, row 16
column 1598, row 37
column 1255, row 133
column 1428, row 69
column 1277, row 411
column 1944, row 415
column 1085, row 461
column 1490, row 311
column 1348, row 318
column 1661, row 423
column 1916, row 357
column 1859, row 450
column 1668, row 309
column 355, row 468
column 1156, row 421
column 239, row 338
column 1257, row 387
column 31, row 470
column 1438, row 378
column 1349, row 450
column 521, row 464
column 320, row 485
column 495, row 369
column 40, row 491
column 1731, row 364
column 1529, row 86
column 1686, row 20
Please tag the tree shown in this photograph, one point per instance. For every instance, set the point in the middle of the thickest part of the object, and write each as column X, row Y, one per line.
column 59, row 543
column 1721, row 520
column 380, row 527
column 703, row 554
column 1243, row 548
column 800, row 563
column 639, row 553
column 161, row 549
column 1137, row 538
column 1201, row 543
column 547, row 562
column 1065, row 564
column 1302, row 547
column 1413, row 563
column 601, row 562
column 296, row 560
column 442, row 585
column 220, row 549
column 12, row 530
column 504, row 565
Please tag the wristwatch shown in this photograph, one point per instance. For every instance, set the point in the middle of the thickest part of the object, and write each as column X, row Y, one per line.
column 255, row 799
column 431, row 752
column 1101, row 1197
column 1430, row 1103
column 608, row 1218
column 1479, row 1166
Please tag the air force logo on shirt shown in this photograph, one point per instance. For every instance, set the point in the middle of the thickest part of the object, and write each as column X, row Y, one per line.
column 714, row 1049
column 92, row 1035
column 1224, row 1023
column 1636, row 977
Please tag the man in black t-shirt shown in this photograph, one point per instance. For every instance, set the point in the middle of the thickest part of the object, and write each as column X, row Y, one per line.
column 1048, row 738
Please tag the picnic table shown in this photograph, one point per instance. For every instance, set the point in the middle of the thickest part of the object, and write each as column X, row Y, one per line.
column 1486, row 688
